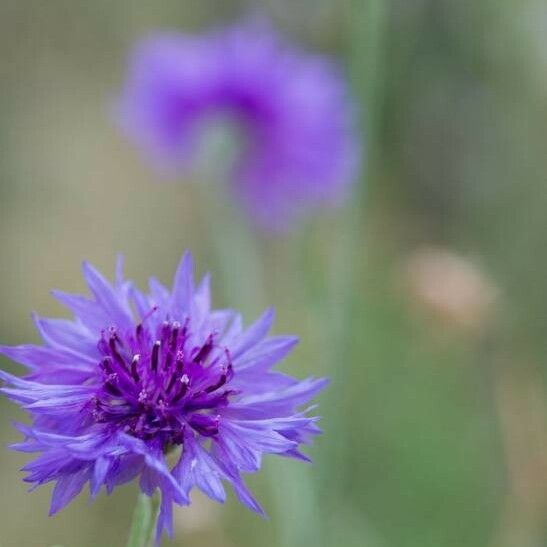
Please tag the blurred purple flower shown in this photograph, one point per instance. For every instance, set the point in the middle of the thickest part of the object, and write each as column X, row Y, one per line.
column 114, row 390
column 299, row 147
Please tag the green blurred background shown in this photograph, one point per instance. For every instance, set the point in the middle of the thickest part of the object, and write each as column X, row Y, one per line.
column 424, row 299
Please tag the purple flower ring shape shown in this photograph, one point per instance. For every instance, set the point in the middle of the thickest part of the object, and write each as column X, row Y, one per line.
column 134, row 377
column 299, row 144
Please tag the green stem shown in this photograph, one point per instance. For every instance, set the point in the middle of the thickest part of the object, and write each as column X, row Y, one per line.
column 369, row 23
column 144, row 521
column 233, row 239
column 241, row 259
column 346, row 261
column 238, row 256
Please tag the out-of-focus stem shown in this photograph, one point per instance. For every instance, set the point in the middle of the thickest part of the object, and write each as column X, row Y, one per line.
column 234, row 240
column 368, row 24
column 368, row 47
column 367, row 21
column 238, row 254
column 521, row 412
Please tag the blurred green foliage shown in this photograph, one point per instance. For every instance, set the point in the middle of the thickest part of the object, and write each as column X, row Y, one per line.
column 433, row 432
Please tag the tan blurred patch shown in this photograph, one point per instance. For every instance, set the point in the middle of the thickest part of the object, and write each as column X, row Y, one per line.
column 450, row 287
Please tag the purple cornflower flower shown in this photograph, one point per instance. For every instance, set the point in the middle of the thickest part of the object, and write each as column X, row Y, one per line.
column 136, row 376
column 299, row 147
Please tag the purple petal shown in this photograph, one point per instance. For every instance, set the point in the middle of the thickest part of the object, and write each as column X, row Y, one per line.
column 282, row 402
column 65, row 375
column 87, row 311
column 148, row 481
column 202, row 300
column 253, row 334
column 59, row 405
column 233, row 332
column 253, row 381
column 107, row 297
column 38, row 356
column 266, row 353
column 165, row 518
column 244, row 495
column 124, row 469
column 197, row 468
column 183, row 285
column 142, row 302
column 261, row 437
column 62, row 333
column 36, row 392
column 156, row 463
column 297, row 455
column 67, row 487
column 120, row 279
column 100, row 470
column 159, row 295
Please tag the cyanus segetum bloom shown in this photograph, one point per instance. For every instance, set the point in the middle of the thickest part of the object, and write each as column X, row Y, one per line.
column 292, row 110
column 135, row 376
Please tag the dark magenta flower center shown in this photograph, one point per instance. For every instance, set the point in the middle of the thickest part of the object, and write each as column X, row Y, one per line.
column 155, row 384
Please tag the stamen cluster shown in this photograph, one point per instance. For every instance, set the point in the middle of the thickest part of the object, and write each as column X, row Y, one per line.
column 154, row 384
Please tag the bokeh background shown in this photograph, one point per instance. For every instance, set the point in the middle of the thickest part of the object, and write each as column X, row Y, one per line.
column 424, row 298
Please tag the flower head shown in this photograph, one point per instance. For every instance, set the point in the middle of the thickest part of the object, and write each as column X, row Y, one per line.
column 292, row 109
column 135, row 376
